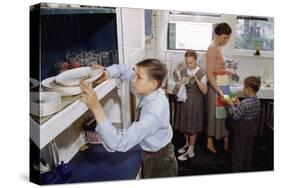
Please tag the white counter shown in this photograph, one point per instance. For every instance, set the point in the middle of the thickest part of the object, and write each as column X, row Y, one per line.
column 46, row 132
column 263, row 93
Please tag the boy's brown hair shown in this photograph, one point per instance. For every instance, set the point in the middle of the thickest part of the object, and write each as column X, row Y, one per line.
column 155, row 69
column 253, row 82
column 190, row 53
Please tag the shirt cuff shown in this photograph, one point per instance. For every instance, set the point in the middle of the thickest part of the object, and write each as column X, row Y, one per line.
column 104, row 126
column 111, row 71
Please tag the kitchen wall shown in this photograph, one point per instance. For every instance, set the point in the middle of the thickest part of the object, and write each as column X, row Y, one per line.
column 133, row 35
column 156, row 47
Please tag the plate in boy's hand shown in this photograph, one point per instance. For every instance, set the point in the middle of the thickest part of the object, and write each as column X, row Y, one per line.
column 73, row 76
column 229, row 98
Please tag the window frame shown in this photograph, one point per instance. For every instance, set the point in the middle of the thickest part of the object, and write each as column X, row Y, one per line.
column 229, row 49
column 245, row 52
column 177, row 16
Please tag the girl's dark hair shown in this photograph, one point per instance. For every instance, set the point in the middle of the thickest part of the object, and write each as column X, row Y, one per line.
column 191, row 53
column 223, row 28
column 252, row 82
column 155, row 69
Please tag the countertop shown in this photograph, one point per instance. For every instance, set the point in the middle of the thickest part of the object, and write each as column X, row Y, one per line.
column 264, row 92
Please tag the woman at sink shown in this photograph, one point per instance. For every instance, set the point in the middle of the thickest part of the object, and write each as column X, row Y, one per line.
column 218, row 85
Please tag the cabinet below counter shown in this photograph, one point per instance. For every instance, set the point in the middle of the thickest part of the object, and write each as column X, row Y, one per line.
column 97, row 164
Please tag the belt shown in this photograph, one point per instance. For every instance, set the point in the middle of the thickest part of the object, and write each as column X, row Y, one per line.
column 219, row 73
column 163, row 149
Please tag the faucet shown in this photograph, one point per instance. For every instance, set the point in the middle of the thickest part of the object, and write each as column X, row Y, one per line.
column 231, row 64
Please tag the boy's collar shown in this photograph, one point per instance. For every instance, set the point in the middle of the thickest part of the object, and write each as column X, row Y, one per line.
column 150, row 97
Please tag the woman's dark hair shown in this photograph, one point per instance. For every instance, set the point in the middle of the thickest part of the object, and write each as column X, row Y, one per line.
column 191, row 53
column 252, row 82
column 223, row 28
column 155, row 69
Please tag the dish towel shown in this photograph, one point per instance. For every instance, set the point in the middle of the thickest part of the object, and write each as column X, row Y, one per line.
column 223, row 83
column 182, row 95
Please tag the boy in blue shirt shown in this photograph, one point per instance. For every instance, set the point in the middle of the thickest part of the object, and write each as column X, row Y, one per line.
column 242, row 125
column 151, row 130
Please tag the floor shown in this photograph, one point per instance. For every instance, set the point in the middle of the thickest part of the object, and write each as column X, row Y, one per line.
column 97, row 165
column 207, row 163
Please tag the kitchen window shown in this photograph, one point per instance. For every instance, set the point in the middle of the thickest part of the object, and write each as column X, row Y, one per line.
column 190, row 30
column 254, row 33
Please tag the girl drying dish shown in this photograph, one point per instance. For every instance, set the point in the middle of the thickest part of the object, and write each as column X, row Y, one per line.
column 189, row 114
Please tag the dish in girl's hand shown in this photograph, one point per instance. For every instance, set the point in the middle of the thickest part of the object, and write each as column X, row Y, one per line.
column 73, row 76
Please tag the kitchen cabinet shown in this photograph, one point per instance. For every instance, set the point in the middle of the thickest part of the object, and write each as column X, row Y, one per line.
column 58, row 31
column 42, row 134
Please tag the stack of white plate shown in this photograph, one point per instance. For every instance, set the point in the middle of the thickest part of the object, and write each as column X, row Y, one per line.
column 44, row 103
column 33, row 83
column 50, row 84
column 67, row 83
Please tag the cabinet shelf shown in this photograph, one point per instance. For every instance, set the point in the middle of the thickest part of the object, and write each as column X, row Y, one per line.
column 42, row 134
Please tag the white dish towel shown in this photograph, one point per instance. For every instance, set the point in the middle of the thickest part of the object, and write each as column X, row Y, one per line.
column 182, row 95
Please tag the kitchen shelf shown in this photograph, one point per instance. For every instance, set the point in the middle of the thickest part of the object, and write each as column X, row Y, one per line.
column 70, row 9
column 42, row 134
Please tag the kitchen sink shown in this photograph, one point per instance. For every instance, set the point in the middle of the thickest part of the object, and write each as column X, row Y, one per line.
column 265, row 92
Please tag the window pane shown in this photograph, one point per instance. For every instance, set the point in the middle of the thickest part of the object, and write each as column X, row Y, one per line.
column 254, row 33
column 190, row 35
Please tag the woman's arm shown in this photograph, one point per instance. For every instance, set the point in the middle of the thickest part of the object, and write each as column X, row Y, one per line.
column 211, row 60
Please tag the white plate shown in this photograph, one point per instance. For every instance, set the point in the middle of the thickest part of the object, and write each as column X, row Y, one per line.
column 36, row 106
column 44, row 97
column 41, row 113
column 44, row 103
column 73, row 76
column 33, row 83
column 50, row 85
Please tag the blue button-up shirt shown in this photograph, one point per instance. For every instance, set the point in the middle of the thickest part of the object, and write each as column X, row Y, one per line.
column 152, row 131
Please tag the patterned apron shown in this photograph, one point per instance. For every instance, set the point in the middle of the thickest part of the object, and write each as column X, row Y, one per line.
column 223, row 83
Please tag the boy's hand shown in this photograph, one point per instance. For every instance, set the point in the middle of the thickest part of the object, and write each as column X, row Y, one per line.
column 237, row 102
column 88, row 96
column 231, row 101
column 227, row 101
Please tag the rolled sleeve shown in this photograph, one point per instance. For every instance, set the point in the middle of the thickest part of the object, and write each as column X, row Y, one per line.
column 120, row 71
column 115, row 139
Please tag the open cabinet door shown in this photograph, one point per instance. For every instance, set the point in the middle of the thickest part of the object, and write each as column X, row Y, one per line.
column 131, row 41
